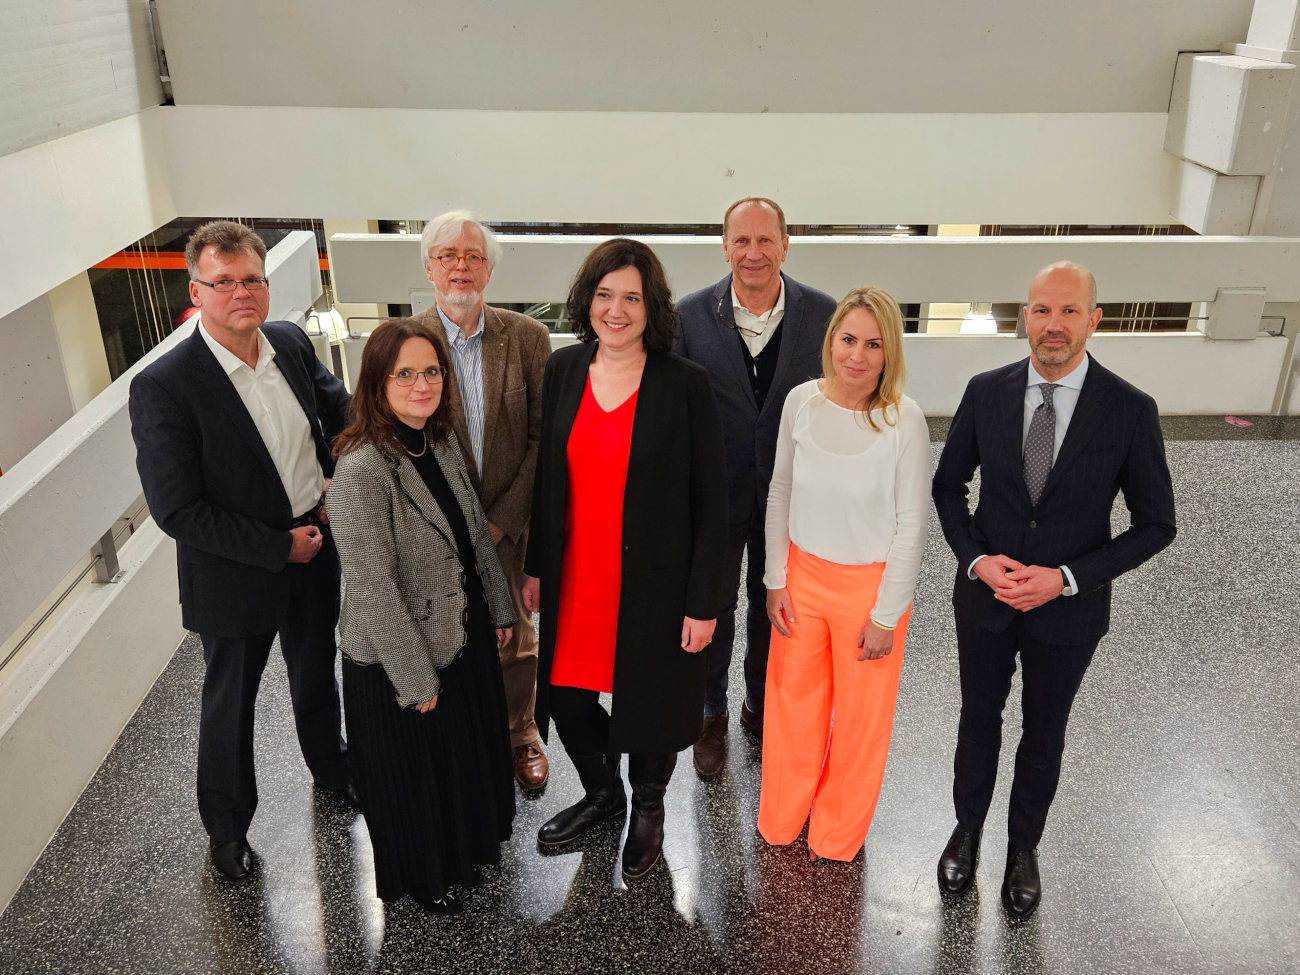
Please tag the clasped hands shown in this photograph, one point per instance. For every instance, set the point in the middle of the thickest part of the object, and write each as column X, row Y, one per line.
column 1022, row 587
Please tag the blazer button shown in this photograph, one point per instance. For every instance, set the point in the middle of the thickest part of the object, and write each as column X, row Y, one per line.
column 1033, row 524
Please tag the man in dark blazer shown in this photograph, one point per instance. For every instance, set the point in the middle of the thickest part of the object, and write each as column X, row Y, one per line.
column 758, row 334
column 232, row 431
column 498, row 359
column 1055, row 438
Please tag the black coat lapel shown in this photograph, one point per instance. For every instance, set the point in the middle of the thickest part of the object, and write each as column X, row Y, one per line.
column 723, row 317
column 1083, row 423
column 1009, row 419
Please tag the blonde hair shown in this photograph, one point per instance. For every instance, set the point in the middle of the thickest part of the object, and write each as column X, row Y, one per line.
column 889, row 389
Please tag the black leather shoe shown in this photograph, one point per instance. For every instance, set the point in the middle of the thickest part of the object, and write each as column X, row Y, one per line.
column 649, row 774
column 604, row 799
column 958, row 862
column 710, row 752
column 232, row 858
column 751, row 720
column 1021, row 888
column 346, row 795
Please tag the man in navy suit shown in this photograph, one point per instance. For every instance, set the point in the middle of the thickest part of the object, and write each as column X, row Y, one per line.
column 232, row 431
column 1055, row 438
column 758, row 334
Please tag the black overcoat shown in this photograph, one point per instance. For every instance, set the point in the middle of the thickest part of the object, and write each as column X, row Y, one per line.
column 674, row 531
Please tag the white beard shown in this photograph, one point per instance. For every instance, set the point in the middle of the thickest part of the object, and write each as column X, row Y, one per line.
column 463, row 299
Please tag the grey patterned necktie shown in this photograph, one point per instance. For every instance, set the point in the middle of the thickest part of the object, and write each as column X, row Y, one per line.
column 1039, row 444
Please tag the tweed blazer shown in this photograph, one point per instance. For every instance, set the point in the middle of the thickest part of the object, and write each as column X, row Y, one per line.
column 403, row 602
column 515, row 350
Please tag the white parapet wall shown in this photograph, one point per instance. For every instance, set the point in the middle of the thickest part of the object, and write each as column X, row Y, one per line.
column 1186, row 372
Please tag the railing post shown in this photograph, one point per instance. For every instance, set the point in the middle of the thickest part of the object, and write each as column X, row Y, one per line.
column 107, row 568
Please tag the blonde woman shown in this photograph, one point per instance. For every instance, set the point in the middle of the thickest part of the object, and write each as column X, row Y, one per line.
column 846, row 524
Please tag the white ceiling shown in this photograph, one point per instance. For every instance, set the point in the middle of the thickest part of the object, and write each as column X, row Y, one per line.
column 890, row 56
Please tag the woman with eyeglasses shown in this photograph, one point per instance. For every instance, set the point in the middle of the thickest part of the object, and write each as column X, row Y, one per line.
column 425, row 607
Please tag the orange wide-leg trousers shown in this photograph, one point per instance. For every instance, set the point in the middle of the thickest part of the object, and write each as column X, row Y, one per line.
column 829, row 715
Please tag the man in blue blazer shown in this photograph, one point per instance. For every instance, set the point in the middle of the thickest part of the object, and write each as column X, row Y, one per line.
column 232, row 431
column 1055, row 438
column 758, row 334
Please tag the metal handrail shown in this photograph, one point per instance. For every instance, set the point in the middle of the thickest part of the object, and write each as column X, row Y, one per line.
column 103, row 563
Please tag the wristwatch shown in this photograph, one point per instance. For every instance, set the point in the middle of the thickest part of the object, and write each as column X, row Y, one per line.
column 1066, row 588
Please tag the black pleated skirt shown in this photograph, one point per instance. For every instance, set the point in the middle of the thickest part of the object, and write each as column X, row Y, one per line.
column 437, row 789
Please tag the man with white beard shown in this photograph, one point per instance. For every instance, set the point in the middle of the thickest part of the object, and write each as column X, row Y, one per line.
column 498, row 358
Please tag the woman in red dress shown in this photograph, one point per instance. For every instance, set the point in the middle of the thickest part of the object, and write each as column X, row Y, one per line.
column 626, row 540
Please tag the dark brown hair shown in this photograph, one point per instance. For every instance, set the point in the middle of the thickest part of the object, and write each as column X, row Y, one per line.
column 613, row 255
column 370, row 418
column 228, row 237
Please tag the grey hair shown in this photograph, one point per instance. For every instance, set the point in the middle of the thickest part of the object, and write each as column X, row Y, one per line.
column 448, row 226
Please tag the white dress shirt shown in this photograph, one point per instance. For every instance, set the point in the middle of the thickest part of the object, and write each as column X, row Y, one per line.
column 279, row 418
column 849, row 494
column 756, row 330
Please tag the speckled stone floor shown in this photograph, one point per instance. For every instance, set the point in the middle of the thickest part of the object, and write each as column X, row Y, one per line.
column 1174, row 844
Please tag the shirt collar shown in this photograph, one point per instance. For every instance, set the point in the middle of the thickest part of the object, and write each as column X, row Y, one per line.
column 230, row 362
column 1071, row 380
column 454, row 331
column 778, row 307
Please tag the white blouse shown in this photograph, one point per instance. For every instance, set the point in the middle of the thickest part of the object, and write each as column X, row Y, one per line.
column 849, row 494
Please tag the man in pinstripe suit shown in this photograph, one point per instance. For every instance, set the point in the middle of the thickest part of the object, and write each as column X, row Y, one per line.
column 1055, row 438
column 498, row 358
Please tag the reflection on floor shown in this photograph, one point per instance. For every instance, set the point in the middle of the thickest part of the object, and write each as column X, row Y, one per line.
column 1174, row 844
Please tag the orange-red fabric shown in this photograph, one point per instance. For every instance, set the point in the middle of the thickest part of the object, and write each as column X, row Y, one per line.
column 591, row 572
column 829, row 716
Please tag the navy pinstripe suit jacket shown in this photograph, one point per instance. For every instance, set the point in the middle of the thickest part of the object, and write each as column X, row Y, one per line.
column 1113, row 445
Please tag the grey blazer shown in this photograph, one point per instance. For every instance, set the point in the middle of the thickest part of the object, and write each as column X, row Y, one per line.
column 403, row 603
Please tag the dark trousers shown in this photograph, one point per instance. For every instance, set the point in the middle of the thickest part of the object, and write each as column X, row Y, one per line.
column 583, row 725
column 227, row 784
column 1050, row 677
column 758, row 630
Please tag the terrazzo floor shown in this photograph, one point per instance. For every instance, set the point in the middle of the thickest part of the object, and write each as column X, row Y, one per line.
column 1174, row 843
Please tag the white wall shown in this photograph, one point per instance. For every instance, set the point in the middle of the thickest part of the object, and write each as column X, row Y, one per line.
column 910, row 56
column 34, row 396
column 69, row 65
column 661, row 167
column 67, row 204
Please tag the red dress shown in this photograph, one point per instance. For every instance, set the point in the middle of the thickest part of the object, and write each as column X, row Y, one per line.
column 591, row 571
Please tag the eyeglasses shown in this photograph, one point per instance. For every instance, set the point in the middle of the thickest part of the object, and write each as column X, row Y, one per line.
column 407, row 377
column 225, row 286
column 450, row 259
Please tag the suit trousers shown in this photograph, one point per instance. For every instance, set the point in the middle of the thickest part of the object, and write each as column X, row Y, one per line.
column 227, row 783
column 758, row 631
column 1050, row 675
column 519, row 655
column 829, row 715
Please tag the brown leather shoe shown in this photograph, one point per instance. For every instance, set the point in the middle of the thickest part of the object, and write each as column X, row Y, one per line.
column 711, row 750
column 531, row 767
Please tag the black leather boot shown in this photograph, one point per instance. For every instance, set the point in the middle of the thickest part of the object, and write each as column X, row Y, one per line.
column 604, row 799
column 649, row 774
